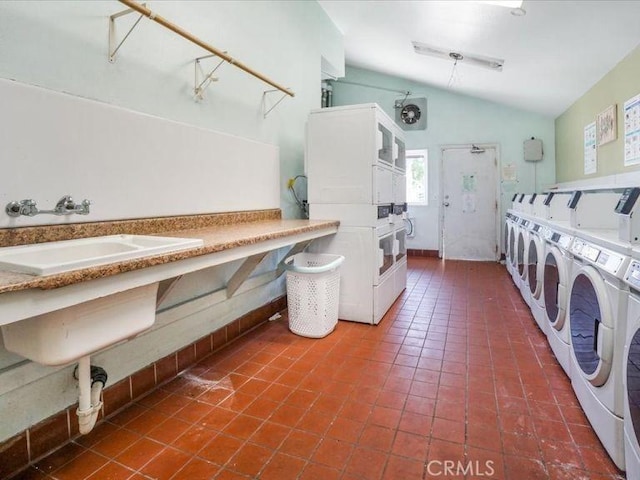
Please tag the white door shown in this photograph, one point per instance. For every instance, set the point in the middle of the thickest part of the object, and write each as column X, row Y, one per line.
column 469, row 203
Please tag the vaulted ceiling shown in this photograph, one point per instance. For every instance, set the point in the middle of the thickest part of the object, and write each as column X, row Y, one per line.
column 552, row 55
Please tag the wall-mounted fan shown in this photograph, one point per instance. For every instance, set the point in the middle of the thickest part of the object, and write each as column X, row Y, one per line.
column 411, row 113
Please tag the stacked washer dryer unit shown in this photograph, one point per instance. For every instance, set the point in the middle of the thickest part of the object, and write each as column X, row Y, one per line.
column 630, row 231
column 356, row 164
column 597, row 312
column 556, row 271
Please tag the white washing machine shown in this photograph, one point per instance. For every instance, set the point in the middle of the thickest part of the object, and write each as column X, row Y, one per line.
column 597, row 313
column 509, row 227
column 513, row 247
column 535, row 273
column 555, row 285
column 631, row 372
column 521, row 253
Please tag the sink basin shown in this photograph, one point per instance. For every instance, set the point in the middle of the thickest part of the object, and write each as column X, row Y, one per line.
column 57, row 257
column 63, row 336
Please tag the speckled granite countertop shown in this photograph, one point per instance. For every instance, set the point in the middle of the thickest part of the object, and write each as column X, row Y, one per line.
column 219, row 232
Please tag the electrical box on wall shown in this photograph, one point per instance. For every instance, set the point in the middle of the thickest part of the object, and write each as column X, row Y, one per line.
column 411, row 113
column 533, row 150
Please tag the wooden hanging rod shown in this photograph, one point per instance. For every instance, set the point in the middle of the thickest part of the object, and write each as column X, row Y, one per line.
column 143, row 10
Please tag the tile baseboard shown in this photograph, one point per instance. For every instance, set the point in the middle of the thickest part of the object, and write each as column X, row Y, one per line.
column 412, row 252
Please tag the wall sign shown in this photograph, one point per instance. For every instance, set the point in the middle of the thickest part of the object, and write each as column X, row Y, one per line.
column 632, row 131
column 590, row 152
column 607, row 125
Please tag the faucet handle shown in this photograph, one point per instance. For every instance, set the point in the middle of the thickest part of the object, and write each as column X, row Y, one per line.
column 83, row 208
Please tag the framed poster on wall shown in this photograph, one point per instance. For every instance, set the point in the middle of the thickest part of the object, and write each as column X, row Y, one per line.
column 607, row 125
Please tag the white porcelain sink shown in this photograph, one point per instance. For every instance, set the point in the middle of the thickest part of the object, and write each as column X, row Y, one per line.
column 63, row 336
column 56, row 257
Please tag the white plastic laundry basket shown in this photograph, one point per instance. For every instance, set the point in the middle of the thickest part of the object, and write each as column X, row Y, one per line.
column 313, row 290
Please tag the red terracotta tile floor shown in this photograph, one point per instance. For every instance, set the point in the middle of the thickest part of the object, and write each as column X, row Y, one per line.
column 456, row 382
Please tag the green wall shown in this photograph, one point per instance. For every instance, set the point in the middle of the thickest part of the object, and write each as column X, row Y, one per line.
column 615, row 87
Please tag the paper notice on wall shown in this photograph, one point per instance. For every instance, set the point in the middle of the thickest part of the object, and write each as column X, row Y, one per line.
column 632, row 131
column 469, row 201
column 469, row 183
column 509, row 173
column 590, row 150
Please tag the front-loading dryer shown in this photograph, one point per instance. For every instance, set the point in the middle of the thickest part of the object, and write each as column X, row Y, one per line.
column 513, row 247
column 521, row 253
column 509, row 241
column 597, row 314
column 555, row 286
column 631, row 372
column 535, row 273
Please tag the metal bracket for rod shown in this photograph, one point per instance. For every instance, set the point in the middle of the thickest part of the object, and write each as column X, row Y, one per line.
column 201, row 84
column 266, row 112
column 113, row 48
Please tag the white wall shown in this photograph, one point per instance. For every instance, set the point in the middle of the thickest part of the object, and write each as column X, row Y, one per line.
column 62, row 46
column 454, row 119
column 129, row 165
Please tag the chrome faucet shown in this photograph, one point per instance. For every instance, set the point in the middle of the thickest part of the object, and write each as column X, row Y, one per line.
column 65, row 206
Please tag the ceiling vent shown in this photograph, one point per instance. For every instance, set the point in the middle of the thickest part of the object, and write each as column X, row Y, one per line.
column 411, row 113
column 494, row 64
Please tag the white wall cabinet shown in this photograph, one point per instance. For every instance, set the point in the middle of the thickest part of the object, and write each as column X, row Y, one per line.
column 355, row 164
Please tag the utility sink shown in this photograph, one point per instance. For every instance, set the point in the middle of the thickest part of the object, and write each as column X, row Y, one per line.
column 57, row 257
column 63, row 336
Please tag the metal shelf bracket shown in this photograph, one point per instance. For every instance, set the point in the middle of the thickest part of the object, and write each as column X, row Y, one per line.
column 266, row 112
column 113, row 48
column 201, row 80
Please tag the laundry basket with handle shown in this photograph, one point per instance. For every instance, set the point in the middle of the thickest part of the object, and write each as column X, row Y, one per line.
column 313, row 290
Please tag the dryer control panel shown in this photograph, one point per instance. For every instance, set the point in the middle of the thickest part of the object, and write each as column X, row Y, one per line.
column 633, row 275
column 606, row 260
column 560, row 239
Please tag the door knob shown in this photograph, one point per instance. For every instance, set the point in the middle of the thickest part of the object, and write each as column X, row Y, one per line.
column 446, row 204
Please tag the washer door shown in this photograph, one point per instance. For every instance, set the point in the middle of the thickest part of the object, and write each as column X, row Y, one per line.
column 507, row 227
column 521, row 255
column 591, row 326
column 512, row 248
column 534, row 257
column 554, row 285
column 633, row 382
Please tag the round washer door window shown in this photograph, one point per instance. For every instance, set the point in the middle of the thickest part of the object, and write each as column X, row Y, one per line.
column 512, row 248
column 591, row 333
column 521, row 269
column 532, row 267
column 633, row 382
column 506, row 238
column 553, row 283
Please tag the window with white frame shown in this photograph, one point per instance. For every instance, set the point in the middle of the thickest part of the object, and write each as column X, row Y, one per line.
column 417, row 177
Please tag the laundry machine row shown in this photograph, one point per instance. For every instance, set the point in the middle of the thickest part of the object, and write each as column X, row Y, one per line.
column 578, row 272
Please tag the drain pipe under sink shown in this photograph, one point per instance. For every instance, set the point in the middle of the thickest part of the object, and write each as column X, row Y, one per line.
column 91, row 381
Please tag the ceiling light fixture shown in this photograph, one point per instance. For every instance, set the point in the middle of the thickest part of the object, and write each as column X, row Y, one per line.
column 499, row 3
column 491, row 63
